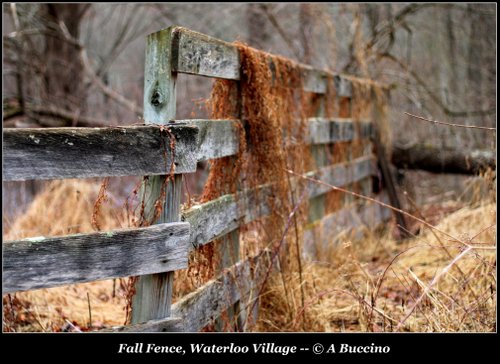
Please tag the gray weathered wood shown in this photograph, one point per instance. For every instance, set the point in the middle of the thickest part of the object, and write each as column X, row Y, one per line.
column 221, row 216
column 350, row 222
column 48, row 153
column 314, row 80
column 343, row 86
column 199, row 308
column 373, row 214
column 47, row 262
column 212, row 219
column 153, row 297
column 159, row 81
column 216, row 138
column 323, row 131
column 170, row 324
column 219, row 138
column 342, row 174
column 317, row 204
column 218, row 217
column 200, row 54
column 228, row 249
column 386, row 174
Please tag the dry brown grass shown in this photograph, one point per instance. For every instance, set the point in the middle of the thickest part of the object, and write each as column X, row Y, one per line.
column 65, row 207
column 48, row 213
column 341, row 289
column 345, row 291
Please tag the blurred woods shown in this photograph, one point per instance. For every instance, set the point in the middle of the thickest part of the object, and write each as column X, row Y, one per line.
column 82, row 64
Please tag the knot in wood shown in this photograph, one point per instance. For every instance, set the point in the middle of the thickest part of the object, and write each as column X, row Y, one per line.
column 156, row 98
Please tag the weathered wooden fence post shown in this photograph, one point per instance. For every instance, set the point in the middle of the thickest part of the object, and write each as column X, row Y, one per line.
column 385, row 169
column 320, row 158
column 229, row 245
column 345, row 103
column 153, row 298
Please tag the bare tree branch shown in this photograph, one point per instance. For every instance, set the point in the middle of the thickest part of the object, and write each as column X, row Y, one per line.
column 83, row 10
column 48, row 115
column 432, row 95
column 74, row 118
column 108, row 91
column 272, row 19
column 164, row 13
column 129, row 30
column 389, row 28
column 450, row 124
column 15, row 18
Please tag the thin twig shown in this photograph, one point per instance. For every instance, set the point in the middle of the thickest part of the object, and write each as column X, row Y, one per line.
column 73, row 326
column 36, row 315
column 53, row 111
column 108, row 91
column 375, row 201
column 335, row 188
column 276, row 251
column 482, row 231
column 359, row 298
column 381, row 279
column 434, row 281
column 432, row 94
column 451, row 124
column 442, row 245
column 272, row 19
column 297, row 246
column 90, row 311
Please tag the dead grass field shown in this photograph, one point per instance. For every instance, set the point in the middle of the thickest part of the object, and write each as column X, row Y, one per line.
column 371, row 285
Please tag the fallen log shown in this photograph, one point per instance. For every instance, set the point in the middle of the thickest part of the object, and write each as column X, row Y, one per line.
column 441, row 160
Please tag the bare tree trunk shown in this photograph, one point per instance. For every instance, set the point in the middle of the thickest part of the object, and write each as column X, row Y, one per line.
column 441, row 160
column 64, row 72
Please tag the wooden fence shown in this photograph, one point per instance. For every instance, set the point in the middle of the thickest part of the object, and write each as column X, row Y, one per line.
column 156, row 251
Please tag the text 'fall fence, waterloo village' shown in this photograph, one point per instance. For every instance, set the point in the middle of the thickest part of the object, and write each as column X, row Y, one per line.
column 339, row 129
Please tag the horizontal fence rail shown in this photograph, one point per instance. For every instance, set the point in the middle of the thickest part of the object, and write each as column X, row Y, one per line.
column 216, row 138
column 216, row 218
column 48, row 262
column 325, row 131
column 241, row 282
column 49, row 153
column 57, row 153
column 199, row 54
column 198, row 309
column 349, row 221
